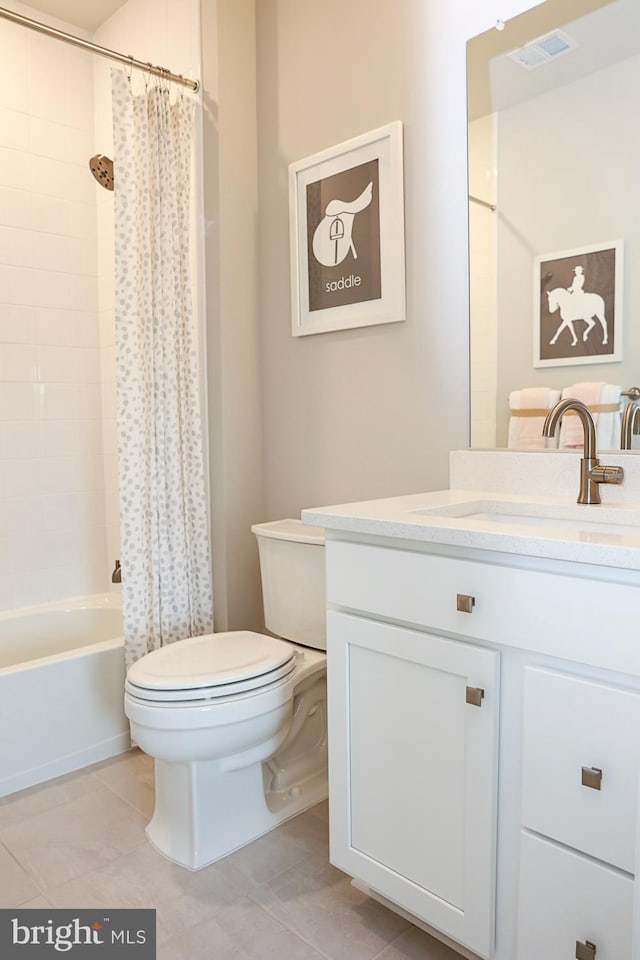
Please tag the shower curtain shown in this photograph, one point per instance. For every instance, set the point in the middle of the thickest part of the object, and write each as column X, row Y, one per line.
column 166, row 567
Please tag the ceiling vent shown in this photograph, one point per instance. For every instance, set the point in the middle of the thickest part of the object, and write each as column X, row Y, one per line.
column 542, row 50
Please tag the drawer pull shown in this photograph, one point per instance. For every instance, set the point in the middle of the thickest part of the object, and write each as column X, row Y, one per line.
column 465, row 603
column 586, row 950
column 591, row 777
column 475, row 696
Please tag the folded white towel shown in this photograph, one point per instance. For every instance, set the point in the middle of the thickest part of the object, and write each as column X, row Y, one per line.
column 604, row 402
column 528, row 408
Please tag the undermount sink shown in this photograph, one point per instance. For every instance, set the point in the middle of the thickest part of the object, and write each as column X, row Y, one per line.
column 545, row 519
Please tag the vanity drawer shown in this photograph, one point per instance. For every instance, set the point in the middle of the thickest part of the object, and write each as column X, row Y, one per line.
column 565, row 616
column 572, row 729
column 565, row 899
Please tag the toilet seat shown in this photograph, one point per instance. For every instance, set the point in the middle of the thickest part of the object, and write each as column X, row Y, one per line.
column 210, row 667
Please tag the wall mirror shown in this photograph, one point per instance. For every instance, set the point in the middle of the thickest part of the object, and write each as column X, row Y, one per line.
column 554, row 168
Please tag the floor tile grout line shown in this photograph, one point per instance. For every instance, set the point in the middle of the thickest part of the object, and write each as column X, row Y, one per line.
column 289, row 929
column 27, row 872
column 128, row 802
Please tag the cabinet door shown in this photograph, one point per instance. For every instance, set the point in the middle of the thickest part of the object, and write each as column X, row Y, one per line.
column 413, row 772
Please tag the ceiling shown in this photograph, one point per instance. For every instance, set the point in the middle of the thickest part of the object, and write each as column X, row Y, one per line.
column 86, row 14
column 606, row 32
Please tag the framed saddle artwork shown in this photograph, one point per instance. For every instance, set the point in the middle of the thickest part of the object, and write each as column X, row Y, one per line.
column 346, row 214
column 577, row 314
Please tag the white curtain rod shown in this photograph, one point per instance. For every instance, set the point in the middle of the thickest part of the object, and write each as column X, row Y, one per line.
column 94, row 48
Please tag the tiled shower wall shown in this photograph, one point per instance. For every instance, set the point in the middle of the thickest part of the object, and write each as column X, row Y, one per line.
column 52, row 518
column 59, row 530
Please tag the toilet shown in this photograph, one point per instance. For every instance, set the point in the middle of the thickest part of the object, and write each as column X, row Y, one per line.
column 237, row 722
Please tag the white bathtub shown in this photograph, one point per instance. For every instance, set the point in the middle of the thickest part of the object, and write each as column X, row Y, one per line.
column 61, row 689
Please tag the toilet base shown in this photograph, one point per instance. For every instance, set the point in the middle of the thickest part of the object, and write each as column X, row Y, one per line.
column 203, row 813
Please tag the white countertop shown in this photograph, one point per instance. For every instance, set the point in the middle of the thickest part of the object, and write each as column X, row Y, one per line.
column 557, row 528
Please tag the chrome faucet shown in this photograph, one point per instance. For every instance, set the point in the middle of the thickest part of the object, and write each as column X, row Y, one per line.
column 591, row 473
column 630, row 423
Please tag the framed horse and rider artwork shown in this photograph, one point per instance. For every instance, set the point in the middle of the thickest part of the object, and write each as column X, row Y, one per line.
column 346, row 213
column 578, row 306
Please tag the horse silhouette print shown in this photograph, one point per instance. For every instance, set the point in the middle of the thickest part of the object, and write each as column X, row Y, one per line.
column 576, row 304
column 332, row 239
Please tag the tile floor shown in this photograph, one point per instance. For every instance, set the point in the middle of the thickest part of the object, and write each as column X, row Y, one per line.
column 79, row 841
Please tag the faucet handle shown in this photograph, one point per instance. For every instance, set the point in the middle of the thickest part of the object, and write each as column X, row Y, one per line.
column 602, row 474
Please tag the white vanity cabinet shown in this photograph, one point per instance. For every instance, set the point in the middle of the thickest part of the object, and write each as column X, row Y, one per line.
column 413, row 734
column 580, row 770
column 485, row 710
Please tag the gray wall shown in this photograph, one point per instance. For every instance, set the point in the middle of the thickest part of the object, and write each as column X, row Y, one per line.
column 358, row 413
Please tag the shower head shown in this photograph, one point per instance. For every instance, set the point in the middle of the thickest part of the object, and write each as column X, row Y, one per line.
column 102, row 169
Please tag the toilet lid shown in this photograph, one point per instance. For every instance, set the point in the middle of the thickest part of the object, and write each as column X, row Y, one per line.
column 214, row 665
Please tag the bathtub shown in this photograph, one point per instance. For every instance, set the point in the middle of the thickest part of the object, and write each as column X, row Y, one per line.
column 61, row 689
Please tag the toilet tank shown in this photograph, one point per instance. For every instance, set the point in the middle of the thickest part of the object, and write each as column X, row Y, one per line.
column 293, row 581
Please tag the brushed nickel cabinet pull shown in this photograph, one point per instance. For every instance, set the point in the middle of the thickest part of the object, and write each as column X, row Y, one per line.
column 586, row 950
column 465, row 603
column 591, row 777
column 475, row 696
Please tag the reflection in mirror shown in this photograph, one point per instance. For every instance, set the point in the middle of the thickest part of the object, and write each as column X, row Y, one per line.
column 554, row 146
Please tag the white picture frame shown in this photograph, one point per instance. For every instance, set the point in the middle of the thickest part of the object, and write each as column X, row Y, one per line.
column 578, row 306
column 346, row 213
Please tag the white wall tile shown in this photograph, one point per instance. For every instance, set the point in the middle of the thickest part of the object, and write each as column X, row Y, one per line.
column 49, row 177
column 59, row 438
column 50, row 252
column 109, row 437
column 55, row 327
column 13, row 57
column 83, row 293
column 90, row 442
column 57, row 401
column 50, row 214
column 22, row 478
column 109, row 401
column 56, row 364
column 30, row 587
column 15, row 208
column 82, row 219
column 17, row 324
column 83, row 257
column 89, row 400
column 48, row 288
column 15, row 168
column 49, row 322
column 19, row 401
column 14, row 127
column 78, row 81
column 19, row 439
column 16, row 247
column 80, row 146
column 46, row 82
column 47, row 139
column 18, row 362
column 24, row 516
column 87, row 365
column 81, row 185
column 60, row 511
column 86, row 329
